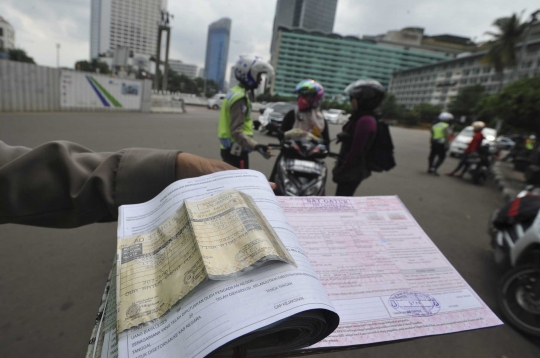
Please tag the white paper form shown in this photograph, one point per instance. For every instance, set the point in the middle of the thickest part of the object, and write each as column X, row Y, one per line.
column 386, row 278
column 219, row 312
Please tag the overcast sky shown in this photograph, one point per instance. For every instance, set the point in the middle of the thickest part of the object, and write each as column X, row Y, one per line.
column 40, row 24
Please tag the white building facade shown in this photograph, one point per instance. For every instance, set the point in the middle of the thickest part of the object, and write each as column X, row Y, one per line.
column 183, row 68
column 127, row 23
column 439, row 83
column 7, row 35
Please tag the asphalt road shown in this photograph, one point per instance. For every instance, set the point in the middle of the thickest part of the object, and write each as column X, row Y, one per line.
column 51, row 281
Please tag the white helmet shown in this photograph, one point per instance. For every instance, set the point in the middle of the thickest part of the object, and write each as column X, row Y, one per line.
column 446, row 117
column 479, row 125
column 248, row 68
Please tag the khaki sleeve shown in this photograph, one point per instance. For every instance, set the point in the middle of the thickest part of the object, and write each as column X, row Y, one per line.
column 238, row 113
column 62, row 184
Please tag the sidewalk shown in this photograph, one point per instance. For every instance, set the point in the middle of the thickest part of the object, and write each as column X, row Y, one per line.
column 509, row 181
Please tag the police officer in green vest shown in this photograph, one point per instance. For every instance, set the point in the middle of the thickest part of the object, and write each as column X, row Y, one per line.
column 235, row 130
column 440, row 133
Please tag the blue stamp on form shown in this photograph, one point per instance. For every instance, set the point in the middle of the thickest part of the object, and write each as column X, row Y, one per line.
column 414, row 304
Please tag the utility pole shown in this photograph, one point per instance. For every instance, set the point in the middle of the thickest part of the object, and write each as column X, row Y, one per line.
column 57, row 55
column 163, row 27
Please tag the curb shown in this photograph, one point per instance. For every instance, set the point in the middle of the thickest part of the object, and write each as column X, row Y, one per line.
column 502, row 184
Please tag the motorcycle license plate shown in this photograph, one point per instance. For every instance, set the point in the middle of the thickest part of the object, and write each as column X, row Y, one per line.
column 304, row 166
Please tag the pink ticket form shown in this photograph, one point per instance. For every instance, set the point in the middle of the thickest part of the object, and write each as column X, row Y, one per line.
column 385, row 277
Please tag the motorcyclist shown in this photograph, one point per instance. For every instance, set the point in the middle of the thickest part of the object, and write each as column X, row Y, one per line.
column 473, row 147
column 530, row 142
column 440, row 133
column 357, row 136
column 307, row 115
column 235, row 129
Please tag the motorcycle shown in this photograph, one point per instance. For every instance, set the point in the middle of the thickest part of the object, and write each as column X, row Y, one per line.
column 479, row 164
column 516, row 241
column 300, row 170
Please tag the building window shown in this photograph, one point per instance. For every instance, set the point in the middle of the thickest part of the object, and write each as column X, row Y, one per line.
column 1, row 32
column 466, row 72
column 475, row 71
column 486, row 70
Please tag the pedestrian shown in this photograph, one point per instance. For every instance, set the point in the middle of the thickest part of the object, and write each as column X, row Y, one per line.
column 440, row 134
column 64, row 185
column 235, row 129
column 474, row 147
column 307, row 115
column 358, row 136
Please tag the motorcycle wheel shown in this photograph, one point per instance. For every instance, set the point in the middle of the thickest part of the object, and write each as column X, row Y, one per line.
column 517, row 301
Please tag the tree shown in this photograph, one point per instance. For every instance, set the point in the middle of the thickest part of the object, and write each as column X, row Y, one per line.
column 211, row 88
column 518, row 104
column 19, row 55
column 502, row 53
column 182, row 83
column 466, row 100
column 390, row 108
column 92, row 66
column 427, row 112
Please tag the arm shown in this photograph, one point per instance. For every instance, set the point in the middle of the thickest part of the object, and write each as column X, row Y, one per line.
column 62, row 184
column 288, row 121
column 238, row 113
column 365, row 128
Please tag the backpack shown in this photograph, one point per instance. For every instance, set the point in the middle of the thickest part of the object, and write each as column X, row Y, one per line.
column 380, row 157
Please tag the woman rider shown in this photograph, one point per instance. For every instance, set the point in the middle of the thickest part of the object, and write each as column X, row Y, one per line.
column 357, row 136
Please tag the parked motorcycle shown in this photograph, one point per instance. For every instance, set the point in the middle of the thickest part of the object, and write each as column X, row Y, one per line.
column 300, row 170
column 516, row 241
column 479, row 164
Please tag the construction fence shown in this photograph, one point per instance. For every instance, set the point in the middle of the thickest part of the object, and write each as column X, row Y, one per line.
column 27, row 87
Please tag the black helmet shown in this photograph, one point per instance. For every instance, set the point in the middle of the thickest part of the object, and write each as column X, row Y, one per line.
column 368, row 93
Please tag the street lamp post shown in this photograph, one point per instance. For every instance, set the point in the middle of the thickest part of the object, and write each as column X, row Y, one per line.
column 57, row 55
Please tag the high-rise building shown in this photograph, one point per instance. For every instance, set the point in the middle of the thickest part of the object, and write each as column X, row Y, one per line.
column 414, row 38
column 232, row 78
column 126, row 23
column 7, row 35
column 201, row 72
column 217, row 51
column 438, row 84
column 316, row 15
column 335, row 60
column 183, row 68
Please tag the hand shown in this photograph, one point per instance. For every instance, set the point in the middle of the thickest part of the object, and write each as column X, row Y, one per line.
column 263, row 150
column 191, row 166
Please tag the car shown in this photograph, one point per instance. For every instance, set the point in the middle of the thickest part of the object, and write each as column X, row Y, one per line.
column 216, row 101
column 274, row 113
column 462, row 140
column 335, row 116
column 261, row 122
column 505, row 143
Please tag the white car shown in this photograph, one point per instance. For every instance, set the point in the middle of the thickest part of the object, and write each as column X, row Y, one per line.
column 461, row 142
column 216, row 101
column 335, row 116
column 505, row 143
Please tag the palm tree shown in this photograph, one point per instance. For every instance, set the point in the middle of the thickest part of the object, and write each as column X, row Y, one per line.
column 502, row 53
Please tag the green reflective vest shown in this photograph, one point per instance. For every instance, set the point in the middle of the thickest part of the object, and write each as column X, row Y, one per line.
column 439, row 130
column 224, row 128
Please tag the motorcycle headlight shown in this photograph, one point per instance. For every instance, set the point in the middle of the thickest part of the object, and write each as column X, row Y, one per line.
column 314, row 190
column 290, row 188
